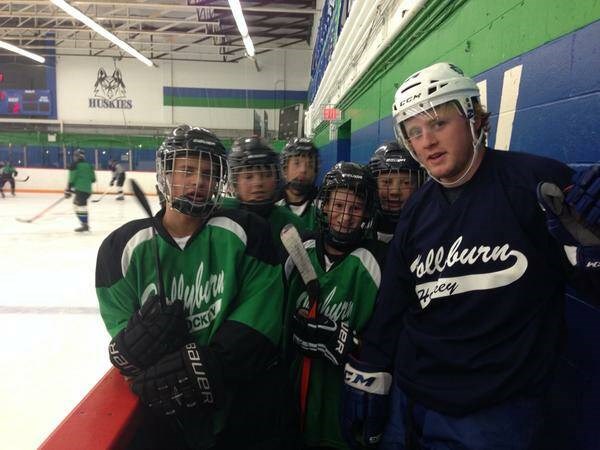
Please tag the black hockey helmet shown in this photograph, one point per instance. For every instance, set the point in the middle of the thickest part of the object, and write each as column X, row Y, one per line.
column 78, row 155
column 183, row 142
column 298, row 147
column 255, row 155
column 357, row 180
column 392, row 158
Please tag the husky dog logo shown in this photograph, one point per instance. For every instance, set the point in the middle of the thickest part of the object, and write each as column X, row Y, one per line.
column 109, row 87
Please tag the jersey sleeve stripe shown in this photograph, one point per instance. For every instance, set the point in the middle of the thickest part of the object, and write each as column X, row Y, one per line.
column 230, row 225
column 141, row 236
column 370, row 264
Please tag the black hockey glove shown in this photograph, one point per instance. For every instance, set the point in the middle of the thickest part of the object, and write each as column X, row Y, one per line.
column 112, row 182
column 152, row 332
column 323, row 337
column 187, row 378
column 68, row 193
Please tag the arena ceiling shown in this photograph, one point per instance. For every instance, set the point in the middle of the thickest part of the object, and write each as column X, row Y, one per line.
column 199, row 30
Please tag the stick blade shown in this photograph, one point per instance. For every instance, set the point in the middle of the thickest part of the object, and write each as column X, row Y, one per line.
column 290, row 238
column 23, row 220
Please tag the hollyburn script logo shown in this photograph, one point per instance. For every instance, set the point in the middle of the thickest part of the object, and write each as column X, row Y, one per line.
column 437, row 261
column 109, row 91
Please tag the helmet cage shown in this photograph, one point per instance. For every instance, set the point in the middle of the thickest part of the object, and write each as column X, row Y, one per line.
column 253, row 157
column 336, row 198
column 196, row 190
column 300, row 147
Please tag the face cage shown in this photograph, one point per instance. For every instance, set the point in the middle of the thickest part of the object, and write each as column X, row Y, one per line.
column 203, row 187
column 417, row 178
column 346, row 237
column 302, row 187
column 258, row 171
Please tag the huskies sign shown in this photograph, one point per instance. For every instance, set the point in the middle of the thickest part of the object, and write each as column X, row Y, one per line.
column 109, row 91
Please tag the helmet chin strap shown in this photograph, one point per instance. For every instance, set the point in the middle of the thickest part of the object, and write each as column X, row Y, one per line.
column 476, row 149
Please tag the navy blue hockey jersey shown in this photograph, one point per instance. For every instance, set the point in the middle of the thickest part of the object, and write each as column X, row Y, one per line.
column 470, row 309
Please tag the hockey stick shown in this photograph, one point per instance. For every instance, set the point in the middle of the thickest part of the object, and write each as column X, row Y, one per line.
column 293, row 244
column 111, row 188
column 141, row 197
column 23, row 180
column 41, row 213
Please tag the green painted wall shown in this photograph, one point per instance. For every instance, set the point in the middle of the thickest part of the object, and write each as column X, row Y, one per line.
column 474, row 34
column 229, row 102
column 96, row 141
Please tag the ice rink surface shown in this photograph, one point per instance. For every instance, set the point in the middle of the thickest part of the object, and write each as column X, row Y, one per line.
column 54, row 344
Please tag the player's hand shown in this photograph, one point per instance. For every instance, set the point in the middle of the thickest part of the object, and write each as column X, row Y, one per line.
column 152, row 332
column 365, row 404
column 575, row 231
column 584, row 195
column 323, row 337
column 187, row 378
column 112, row 183
column 68, row 193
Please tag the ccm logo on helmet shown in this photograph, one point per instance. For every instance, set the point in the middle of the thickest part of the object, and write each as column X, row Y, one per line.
column 409, row 99
column 594, row 264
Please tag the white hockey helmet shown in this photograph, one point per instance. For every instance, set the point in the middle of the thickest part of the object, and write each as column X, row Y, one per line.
column 432, row 86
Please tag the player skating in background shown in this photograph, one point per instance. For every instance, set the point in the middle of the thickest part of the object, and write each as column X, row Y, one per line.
column 300, row 167
column 398, row 176
column 118, row 177
column 255, row 178
column 347, row 265
column 197, row 356
column 469, row 318
column 7, row 175
column 81, row 177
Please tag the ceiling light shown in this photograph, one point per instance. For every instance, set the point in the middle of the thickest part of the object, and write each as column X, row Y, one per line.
column 236, row 10
column 22, row 52
column 101, row 30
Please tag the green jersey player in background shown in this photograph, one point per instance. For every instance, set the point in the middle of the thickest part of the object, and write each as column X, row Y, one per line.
column 398, row 176
column 255, row 180
column 198, row 355
column 7, row 174
column 81, row 177
column 300, row 166
column 348, row 267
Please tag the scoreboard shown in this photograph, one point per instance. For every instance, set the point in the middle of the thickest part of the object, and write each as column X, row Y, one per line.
column 25, row 102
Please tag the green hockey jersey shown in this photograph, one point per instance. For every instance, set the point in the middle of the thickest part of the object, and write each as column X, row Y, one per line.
column 81, row 176
column 348, row 289
column 230, row 284
column 277, row 217
column 306, row 213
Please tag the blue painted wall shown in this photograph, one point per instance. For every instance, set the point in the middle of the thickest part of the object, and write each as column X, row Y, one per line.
column 558, row 107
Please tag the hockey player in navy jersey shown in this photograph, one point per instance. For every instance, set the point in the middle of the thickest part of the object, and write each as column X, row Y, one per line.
column 466, row 332
column 196, row 353
column 398, row 176
column 300, row 167
column 347, row 265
